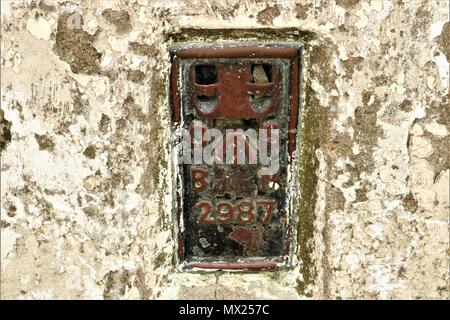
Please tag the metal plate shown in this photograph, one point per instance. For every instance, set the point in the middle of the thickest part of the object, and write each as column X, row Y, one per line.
column 230, row 216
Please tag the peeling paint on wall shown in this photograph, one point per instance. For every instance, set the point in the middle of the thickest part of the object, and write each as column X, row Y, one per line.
column 86, row 188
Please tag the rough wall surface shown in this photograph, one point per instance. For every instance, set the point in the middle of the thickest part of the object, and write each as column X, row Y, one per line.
column 86, row 188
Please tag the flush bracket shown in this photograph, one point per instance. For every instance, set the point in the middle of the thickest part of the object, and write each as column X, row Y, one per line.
column 228, row 216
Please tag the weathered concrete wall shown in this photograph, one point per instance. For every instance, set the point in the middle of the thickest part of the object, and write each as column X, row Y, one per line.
column 86, row 189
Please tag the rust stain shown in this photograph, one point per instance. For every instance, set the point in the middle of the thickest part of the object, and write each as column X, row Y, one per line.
column 293, row 119
column 250, row 237
column 175, row 92
column 237, row 52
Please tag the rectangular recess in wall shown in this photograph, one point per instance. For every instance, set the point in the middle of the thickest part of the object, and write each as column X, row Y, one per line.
column 235, row 111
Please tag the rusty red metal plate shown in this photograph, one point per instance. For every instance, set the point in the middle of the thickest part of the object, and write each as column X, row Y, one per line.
column 233, row 208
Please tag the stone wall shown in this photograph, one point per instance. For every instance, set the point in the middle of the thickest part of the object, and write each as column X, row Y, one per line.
column 86, row 187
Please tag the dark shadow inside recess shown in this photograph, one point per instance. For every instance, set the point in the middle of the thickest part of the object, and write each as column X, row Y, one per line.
column 205, row 74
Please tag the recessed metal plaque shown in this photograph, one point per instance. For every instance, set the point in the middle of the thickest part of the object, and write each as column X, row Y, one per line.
column 235, row 114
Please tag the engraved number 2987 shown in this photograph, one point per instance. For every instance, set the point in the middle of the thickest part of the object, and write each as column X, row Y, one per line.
column 242, row 212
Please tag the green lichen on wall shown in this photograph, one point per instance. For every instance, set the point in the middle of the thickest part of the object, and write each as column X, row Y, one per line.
column 308, row 184
column 44, row 142
column 74, row 45
column 5, row 131
column 120, row 19
column 89, row 152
